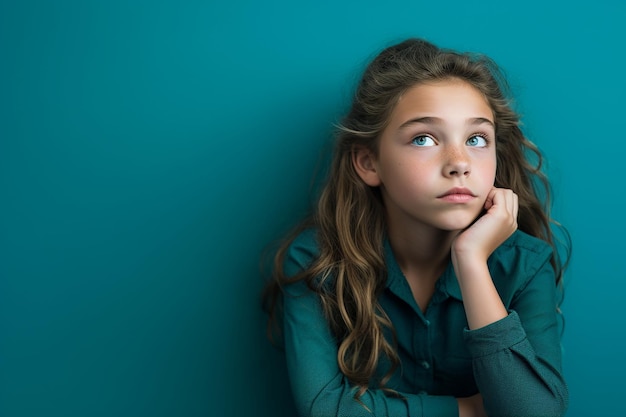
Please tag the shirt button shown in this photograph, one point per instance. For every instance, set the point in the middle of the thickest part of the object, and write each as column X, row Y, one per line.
column 425, row 365
column 427, row 323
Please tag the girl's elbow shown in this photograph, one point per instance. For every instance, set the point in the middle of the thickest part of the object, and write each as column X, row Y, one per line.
column 548, row 403
column 554, row 404
column 320, row 404
column 560, row 402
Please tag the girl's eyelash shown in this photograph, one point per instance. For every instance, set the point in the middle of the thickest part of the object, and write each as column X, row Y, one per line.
column 420, row 135
column 485, row 136
column 482, row 135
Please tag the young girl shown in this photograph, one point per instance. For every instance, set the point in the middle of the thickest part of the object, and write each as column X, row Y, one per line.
column 426, row 283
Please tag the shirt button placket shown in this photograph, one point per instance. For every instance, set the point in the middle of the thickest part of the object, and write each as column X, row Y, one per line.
column 423, row 342
column 426, row 364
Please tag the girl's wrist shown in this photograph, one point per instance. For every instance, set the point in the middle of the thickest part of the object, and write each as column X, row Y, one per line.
column 469, row 263
column 469, row 252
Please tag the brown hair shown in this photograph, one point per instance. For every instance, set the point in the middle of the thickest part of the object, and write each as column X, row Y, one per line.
column 350, row 271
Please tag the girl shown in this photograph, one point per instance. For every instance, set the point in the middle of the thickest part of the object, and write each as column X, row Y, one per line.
column 426, row 282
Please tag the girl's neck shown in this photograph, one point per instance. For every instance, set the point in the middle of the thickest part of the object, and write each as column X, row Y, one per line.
column 421, row 250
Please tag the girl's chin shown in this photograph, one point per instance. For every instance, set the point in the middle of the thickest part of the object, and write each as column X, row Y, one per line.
column 457, row 226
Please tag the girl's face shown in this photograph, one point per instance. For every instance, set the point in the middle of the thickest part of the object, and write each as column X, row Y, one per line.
column 436, row 161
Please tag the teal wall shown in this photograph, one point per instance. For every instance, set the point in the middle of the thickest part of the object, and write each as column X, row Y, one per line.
column 149, row 150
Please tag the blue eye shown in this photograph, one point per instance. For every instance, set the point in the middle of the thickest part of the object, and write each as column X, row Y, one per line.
column 477, row 141
column 423, row 141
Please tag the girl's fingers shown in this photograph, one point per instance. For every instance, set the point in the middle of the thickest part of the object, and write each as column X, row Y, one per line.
column 489, row 202
column 504, row 198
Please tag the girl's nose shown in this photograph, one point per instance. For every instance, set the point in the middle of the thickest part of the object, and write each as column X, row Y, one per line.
column 457, row 163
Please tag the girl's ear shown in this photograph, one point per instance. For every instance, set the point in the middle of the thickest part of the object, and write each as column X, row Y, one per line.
column 364, row 162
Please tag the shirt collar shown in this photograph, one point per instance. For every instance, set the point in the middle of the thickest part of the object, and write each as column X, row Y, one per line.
column 448, row 284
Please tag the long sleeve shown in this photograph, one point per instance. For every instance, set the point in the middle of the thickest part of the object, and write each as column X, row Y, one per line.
column 318, row 386
column 515, row 363
column 517, row 360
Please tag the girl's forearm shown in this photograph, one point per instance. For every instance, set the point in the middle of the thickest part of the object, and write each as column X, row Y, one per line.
column 482, row 302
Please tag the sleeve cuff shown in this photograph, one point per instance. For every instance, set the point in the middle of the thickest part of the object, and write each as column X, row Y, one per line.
column 495, row 337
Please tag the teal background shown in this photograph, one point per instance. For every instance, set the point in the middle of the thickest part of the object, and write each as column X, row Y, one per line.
column 151, row 150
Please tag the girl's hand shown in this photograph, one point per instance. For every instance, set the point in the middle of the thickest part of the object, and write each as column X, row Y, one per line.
column 471, row 406
column 470, row 250
column 488, row 232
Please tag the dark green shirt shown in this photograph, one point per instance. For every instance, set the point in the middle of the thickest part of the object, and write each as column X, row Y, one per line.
column 515, row 363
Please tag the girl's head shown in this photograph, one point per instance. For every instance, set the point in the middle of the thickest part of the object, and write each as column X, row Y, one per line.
column 386, row 79
column 415, row 61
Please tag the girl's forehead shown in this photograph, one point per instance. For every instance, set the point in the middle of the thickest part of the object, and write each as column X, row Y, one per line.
column 448, row 100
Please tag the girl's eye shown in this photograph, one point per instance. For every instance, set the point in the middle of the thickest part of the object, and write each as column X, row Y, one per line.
column 477, row 141
column 423, row 141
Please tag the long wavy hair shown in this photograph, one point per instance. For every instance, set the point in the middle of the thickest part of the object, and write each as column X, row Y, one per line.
column 350, row 272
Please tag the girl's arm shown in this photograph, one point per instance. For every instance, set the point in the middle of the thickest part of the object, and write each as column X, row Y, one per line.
column 517, row 360
column 470, row 252
column 318, row 386
column 516, row 350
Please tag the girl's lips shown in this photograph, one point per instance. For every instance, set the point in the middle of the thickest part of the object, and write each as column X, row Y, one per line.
column 457, row 198
column 457, row 195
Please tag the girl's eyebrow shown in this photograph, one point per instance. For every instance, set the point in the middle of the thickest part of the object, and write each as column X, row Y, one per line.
column 437, row 121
